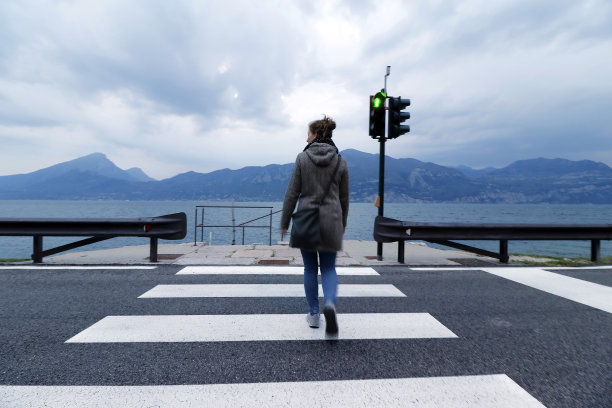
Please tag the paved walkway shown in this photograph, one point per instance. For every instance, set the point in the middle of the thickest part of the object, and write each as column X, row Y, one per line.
column 354, row 253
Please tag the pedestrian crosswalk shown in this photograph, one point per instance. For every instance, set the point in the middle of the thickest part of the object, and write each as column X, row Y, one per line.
column 486, row 390
column 260, row 327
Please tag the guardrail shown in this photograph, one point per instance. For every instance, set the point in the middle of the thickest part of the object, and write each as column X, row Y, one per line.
column 391, row 230
column 171, row 227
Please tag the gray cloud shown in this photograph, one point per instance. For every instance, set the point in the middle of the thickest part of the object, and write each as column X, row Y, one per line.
column 162, row 85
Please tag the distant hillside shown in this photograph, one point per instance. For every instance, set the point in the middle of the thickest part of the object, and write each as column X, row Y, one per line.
column 267, row 183
column 407, row 180
column 474, row 173
column 138, row 175
column 91, row 176
column 550, row 180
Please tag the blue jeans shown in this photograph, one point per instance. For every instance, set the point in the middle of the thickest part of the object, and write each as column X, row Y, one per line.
column 329, row 279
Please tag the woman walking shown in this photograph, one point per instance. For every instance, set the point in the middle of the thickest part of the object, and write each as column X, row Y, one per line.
column 314, row 168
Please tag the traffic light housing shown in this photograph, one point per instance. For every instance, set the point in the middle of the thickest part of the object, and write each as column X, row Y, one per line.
column 377, row 115
column 397, row 117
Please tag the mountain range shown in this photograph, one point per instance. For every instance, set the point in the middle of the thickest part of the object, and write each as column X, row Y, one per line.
column 406, row 180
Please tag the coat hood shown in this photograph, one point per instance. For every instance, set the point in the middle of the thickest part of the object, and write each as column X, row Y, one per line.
column 321, row 154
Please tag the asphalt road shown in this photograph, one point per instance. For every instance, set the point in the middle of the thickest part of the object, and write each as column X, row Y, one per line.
column 557, row 350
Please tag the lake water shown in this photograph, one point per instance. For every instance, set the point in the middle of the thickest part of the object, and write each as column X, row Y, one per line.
column 360, row 222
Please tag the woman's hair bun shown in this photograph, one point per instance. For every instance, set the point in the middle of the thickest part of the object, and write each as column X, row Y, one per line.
column 323, row 128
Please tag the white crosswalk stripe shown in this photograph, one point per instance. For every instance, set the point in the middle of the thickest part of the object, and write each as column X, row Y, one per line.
column 577, row 290
column 63, row 268
column 267, row 270
column 190, row 328
column 477, row 391
column 265, row 290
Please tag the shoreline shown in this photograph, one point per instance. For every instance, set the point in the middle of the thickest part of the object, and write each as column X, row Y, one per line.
column 354, row 253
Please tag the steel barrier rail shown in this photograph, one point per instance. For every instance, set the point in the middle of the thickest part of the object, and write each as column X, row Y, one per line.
column 171, row 227
column 391, row 230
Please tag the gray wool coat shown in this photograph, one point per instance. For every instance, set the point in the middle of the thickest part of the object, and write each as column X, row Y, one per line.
column 311, row 173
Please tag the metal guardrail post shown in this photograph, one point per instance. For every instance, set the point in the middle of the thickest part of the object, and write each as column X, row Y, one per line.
column 595, row 250
column 38, row 248
column 503, row 251
column 153, row 250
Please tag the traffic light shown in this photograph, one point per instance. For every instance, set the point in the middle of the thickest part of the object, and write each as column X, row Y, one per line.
column 396, row 117
column 377, row 115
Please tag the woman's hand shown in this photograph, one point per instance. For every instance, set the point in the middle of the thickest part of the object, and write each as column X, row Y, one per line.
column 283, row 233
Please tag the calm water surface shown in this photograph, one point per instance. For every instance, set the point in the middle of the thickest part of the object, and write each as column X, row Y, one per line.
column 360, row 223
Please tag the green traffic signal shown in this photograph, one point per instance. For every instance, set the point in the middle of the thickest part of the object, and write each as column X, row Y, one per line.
column 377, row 115
column 379, row 100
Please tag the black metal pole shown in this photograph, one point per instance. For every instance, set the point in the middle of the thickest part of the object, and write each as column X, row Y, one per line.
column 381, row 171
column 401, row 246
column 153, row 250
column 595, row 250
column 233, row 225
column 503, row 250
column 202, row 230
column 381, row 192
column 38, row 249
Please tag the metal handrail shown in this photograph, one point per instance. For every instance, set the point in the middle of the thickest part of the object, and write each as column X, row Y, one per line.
column 259, row 218
column 243, row 225
column 233, row 226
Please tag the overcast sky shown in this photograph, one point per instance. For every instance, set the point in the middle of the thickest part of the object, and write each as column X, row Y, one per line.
column 173, row 86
